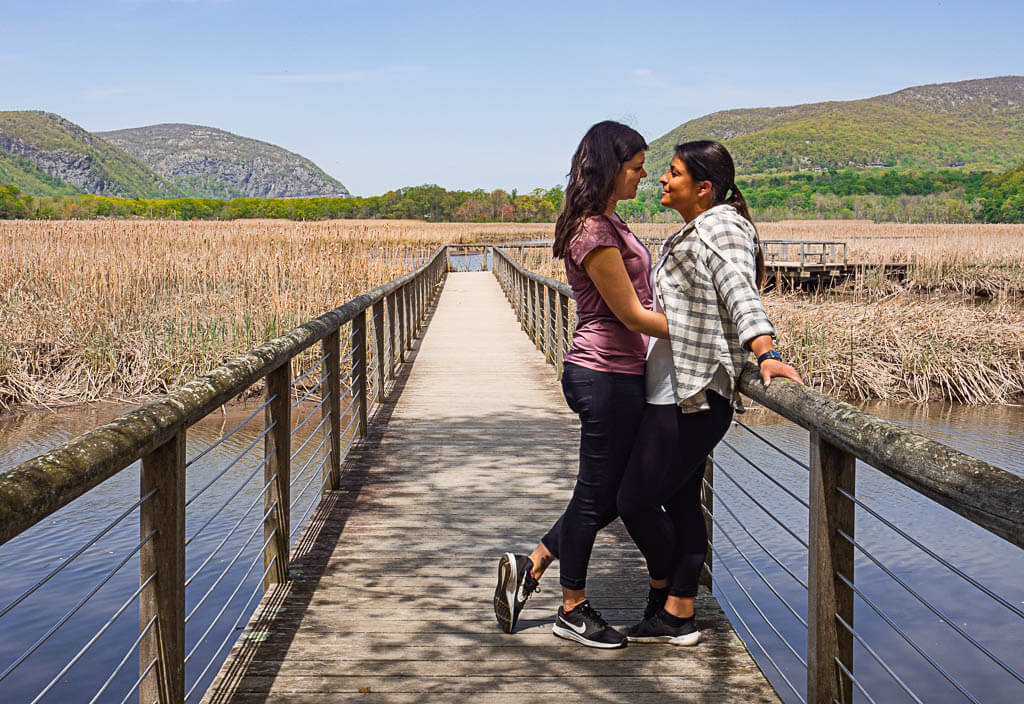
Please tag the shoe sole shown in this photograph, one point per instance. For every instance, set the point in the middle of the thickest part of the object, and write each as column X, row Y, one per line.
column 689, row 639
column 569, row 634
column 505, row 593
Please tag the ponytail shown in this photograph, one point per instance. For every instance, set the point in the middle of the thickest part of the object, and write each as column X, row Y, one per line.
column 737, row 201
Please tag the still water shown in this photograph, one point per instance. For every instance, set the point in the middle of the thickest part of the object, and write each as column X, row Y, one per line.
column 233, row 575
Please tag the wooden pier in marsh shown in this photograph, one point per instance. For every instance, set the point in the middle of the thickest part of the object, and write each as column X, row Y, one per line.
column 444, row 441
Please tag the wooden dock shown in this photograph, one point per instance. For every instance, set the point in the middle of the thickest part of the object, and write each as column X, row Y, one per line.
column 389, row 598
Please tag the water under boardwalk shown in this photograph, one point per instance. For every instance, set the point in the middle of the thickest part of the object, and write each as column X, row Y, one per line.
column 391, row 585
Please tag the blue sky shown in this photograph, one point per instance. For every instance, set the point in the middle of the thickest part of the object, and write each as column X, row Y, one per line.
column 473, row 94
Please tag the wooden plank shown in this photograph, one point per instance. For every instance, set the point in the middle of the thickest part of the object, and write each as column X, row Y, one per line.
column 394, row 596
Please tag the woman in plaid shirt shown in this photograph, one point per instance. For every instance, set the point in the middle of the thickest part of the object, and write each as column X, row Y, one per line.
column 707, row 282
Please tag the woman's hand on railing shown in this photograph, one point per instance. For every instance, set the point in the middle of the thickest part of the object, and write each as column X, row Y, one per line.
column 772, row 368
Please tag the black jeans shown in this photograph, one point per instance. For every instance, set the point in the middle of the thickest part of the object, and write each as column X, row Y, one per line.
column 610, row 406
column 659, row 498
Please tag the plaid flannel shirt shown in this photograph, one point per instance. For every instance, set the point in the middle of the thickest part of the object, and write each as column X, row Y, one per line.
column 713, row 308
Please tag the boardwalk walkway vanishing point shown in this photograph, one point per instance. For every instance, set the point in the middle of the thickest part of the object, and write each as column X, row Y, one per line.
column 389, row 599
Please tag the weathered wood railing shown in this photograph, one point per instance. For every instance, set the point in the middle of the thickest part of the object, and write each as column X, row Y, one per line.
column 155, row 434
column 840, row 434
column 808, row 252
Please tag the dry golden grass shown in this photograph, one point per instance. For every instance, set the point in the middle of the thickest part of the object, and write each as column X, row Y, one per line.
column 882, row 339
column 124, row 309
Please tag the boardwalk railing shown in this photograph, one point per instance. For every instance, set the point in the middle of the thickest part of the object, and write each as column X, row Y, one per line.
column 840, row 434
column 806, row 253
column 361, row 346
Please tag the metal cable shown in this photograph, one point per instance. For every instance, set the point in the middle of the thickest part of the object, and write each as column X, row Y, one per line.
column 757, row 608
column 256, row 561
column 760, row 506
column 318, row 407
column 746, row 559
column 305, row 488
column 931, row 661
column 310, row 392
column 777, row 561
column 313, row 455
column 233, row 462
column 75, row 608
column 778, row 669
column 309, row 371
column 138, row 681
column 949, row 621
column 771, row 444
column 312, row 434
column 302, row 521
column 229, row 433
column 878, row 659
column 938, row 558
column 99, row 634
column 854, row 680
column 124, row 661
column 225, row 504
column 28, row 592
column 227, row 568
column 234, row 627
column 767, row 476
column 231, row 532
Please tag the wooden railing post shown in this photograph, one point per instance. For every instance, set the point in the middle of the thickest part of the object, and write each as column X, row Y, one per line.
column 359, row 369
column 402, row 337
column 163, row 514
column 331, row 346
column 707, row 500
column 378, row 334
column 827, row 596
column 550, row 352
column 277, row 474
column 392, row 334
column 563, row 308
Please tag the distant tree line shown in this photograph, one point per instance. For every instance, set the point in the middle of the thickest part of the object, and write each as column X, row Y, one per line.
column 936, row 195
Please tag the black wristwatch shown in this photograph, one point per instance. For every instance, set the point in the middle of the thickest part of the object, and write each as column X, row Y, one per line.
column 770, row 354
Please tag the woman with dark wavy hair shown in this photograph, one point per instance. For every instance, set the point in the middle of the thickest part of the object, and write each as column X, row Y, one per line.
column 707, row 280
column 603, row 375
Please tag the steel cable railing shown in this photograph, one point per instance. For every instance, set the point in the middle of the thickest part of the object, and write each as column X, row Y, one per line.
column 360, row 361
column 985, row 495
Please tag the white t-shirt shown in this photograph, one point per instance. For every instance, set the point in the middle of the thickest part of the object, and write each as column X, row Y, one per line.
column 660, row 368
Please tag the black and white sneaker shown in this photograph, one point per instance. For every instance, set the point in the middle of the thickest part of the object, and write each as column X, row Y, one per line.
column 655, row 630
column 515, row 585
column 584, row 625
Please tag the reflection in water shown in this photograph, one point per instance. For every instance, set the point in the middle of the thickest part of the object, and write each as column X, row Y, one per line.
column 224, row 521
column 995, row 434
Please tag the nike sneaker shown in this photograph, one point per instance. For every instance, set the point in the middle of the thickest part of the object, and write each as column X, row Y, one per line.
column 656, row 630
column 584, row 625
column 516, row 584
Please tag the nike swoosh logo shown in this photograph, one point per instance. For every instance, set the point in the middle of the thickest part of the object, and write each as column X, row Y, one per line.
column 581, row 629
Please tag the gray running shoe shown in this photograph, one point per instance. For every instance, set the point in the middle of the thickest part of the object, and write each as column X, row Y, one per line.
column 655, row 630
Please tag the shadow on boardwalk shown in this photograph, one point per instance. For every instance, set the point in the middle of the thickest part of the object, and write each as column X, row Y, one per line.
column 390, row 598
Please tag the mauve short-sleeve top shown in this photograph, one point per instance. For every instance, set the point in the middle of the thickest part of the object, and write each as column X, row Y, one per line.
column 600, row 341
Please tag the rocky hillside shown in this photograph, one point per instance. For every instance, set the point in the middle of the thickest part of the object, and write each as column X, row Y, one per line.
column 212, row 163
column 974, row 124
column 44, row 154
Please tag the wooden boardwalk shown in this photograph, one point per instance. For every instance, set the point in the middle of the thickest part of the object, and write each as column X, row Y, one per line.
column 390, row 598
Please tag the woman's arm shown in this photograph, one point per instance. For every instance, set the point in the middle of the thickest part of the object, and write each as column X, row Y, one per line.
column 772, row 367
column 606, row 269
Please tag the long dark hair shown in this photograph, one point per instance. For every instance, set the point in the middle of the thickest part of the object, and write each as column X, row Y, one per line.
column 707, row 160
column 603, row 150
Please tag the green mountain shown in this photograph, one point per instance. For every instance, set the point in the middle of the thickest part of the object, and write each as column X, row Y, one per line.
column 978, row 124
column 212, row 163
column 44, row 154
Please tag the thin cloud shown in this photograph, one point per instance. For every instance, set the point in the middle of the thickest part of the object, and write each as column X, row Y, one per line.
column 102, row 93
column 378, row 74
column 646, row 78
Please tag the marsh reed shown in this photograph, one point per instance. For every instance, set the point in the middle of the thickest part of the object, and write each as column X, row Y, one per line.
column 926, row 338
column 125, row 309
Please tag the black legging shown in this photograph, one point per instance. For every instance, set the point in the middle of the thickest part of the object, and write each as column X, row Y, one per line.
column 610, row 406
column 659, row 498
